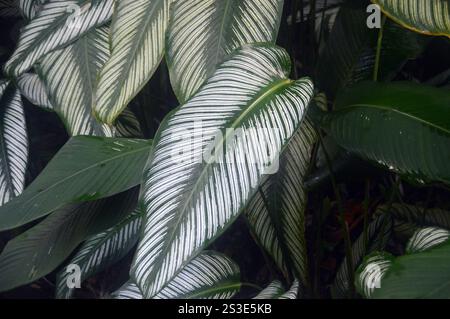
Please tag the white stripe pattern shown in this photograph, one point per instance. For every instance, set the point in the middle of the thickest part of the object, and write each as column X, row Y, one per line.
column 9, row 9
column 372, row 271
column 189, row 202
column 209, row 276
column 272, row 291
column 426, row 238
column 430, row 17
column 29, row 7
column 202, row 32
column 101, row 251
column 137, row 47
column 70, row 76
column 58, row 23
column 276, row 212
column 34, row 90
column 13, row 143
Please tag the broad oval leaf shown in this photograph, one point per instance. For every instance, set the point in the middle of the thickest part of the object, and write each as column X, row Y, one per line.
column 58, row 23
column 70, row 75
column 426, row 238
column 34, row 90
column 101, row 251
column 276, row 212
column 85, row 169
column 202, row 32
column 137, row 46
column 392, row 124
column 372, row 270
column 431, row 17
column 208, row 276
column 42, row 248
column 13, row 143
column 198, row 180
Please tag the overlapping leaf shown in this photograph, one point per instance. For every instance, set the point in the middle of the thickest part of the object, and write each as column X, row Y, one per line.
column 13, row 143
column 275, row 290
column 101, row 251
column 137, row 47
column 85, row 169
column 276, row 212
column 202, row 32
column 191, row 197
column 426, row 238
column 70, row 75
column 56, row 24
column 34, row 90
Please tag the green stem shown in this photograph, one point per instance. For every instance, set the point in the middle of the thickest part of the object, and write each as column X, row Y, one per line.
column 378, row 54
column 344, row 226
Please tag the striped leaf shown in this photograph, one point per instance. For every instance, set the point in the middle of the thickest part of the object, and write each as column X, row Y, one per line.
column 276, row 212
column 58, row 23
column 41, row 249
column 208, row 276
column 13, row 143
column 426, row 238
column 31, row 87
column 30, row 7
column 102, row 167
column 431, row 17
column 101, row 251
column 137, row 47
column 378, row 234
column 198, row 179
column 128, row 125
column 70, row 75
column 9, row 9
column 275, row 290
column 372, row 270
column 202, row 32
column 399, row 121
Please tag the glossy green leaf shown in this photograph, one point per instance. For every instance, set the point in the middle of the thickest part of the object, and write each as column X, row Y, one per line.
column 202, row 32
column 13, row 143
column 42, row 248
column 56, row 24
column 198, row 181
column 137, row 47
column 208, row 276
column 431, row 17
column 276, row 212
column 402, row 126
column 85, row 169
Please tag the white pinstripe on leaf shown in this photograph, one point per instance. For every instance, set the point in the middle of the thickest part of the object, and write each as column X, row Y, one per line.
column 32, row 87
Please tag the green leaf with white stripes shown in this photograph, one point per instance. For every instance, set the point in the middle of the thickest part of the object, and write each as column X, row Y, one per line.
column 275, row 290
column 378, row 234
column 137, row 47
column 276, row 212
column 58, row 23
column 210, row 275
column 29, row 8
column 72, row 95
column 13, row 143
column 42, row 248
column 32, row 87
column 102, row 167
column 210, row 155
column 101, row 251
column 426, row 238
column 372, row 270
column 431, row 17
column 202, row 32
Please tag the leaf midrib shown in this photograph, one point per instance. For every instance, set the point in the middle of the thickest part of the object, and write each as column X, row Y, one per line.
column 281, row 83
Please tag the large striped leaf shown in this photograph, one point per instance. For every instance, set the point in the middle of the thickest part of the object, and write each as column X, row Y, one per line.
column 70, row 75
column 202, row 32
column 30, row 7
column 31, row 87
column 191, row 197
column 42, row 248
column 101, row 251
column 208, row 276
column 276, row 212
column 431, row 17
column 58, row 23
column 426, row 238
column 13, row 143
column 372, row 270
column 137, row 47
column 378, row 234
column 275, row 290
column 85, row 169
column 391, row 124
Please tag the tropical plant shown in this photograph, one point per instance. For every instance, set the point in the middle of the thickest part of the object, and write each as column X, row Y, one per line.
column 261, row 149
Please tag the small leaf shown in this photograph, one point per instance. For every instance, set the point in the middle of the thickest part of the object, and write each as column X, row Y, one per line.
column 426, row 238
column 371, row 271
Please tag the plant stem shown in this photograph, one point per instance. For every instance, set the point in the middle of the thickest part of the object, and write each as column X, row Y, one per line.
column 344, row 226
column 378, row 54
